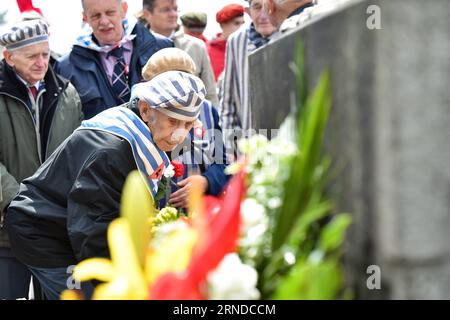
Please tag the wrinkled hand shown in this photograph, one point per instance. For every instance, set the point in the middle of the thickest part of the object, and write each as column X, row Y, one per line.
column 179, row 198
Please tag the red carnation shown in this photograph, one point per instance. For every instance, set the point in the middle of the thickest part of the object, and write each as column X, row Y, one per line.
column 178, row 167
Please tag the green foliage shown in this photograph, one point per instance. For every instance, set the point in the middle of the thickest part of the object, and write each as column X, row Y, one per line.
column 307, row 174
column 300, row 257
column 333, row 234
column 312, row 280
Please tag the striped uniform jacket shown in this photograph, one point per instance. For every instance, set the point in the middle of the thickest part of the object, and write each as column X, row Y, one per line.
column 122, row 122
column 235, row 96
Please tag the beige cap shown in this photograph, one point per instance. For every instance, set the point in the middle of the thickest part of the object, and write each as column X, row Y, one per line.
column 168, row 59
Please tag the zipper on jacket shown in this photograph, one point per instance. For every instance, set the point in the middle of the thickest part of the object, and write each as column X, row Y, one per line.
column 60, row 90
column 37, row 120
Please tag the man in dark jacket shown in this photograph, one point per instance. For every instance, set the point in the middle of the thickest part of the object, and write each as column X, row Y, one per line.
column 62, row 212
column 107, row 58
column 38, row 110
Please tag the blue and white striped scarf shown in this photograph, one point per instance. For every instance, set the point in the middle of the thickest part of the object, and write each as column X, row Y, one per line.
column 124, row 123
column 85, row 39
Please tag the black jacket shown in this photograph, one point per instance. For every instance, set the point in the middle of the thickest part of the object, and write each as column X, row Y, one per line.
column 61, row 214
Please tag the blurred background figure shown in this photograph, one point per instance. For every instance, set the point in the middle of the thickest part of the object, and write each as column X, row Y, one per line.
column 65, row 31
column 194, row 23
column 161, row 17
column 230, row 18
column 284, row 14
column 236, row 117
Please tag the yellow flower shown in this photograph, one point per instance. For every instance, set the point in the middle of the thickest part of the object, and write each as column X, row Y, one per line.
column 128, row 240
column 172, row 255
column 134, row 265
column 123, row 274
column 137, row 207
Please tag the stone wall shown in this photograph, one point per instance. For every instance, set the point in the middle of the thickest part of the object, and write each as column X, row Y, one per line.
column 389, row 134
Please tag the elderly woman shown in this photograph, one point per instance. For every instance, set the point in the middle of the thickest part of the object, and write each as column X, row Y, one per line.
column 61, row 214
column 203, row 152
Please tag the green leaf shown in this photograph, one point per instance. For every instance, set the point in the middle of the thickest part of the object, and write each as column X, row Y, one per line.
column 313, row 120
column 311, row 281
column 333, row 234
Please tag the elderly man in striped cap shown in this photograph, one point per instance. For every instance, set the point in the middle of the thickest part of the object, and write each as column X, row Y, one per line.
column 61, row 213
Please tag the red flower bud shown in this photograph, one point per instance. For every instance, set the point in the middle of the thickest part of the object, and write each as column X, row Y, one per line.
column 178, row 167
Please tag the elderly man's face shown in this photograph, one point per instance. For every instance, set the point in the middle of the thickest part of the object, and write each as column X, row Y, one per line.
column 260, row 18
column 105, row 18
column 31, row 62
column 167, row 132
column 163, row 18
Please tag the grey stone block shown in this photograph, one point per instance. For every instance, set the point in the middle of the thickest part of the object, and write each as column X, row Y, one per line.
column 388, row 133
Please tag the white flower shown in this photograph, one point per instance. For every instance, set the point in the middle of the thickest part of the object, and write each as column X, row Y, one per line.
column 254, row 234
column 274, row 203
column 252, row 145
column 169, row 172
column 252, row 213
column 232, row 280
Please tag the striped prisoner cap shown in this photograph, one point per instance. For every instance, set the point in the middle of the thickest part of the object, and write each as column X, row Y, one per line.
column 177, row 94
column 24, row 33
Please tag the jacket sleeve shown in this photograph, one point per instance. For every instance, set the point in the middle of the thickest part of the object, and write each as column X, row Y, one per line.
column 215, row 173
column 8, row 188
column 94, row 201
column 228, row 112
column 207, row 76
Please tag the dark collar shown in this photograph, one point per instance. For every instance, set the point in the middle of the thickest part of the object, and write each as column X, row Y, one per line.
column 9, row 83
column 300, row 9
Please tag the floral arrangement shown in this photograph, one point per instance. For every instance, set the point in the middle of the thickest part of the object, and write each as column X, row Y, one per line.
column 163, row 256
column 270, row 235
column 174, row 170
